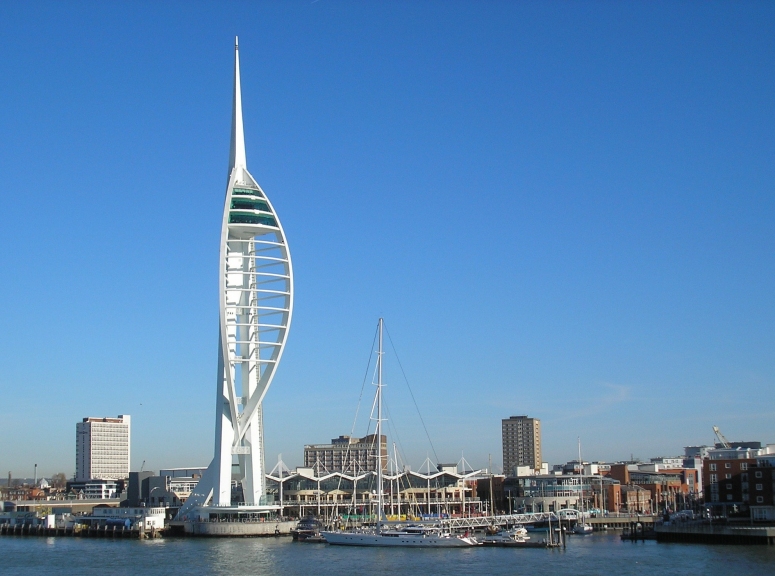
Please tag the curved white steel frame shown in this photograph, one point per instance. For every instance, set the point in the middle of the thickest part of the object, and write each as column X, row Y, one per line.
column 256, row 305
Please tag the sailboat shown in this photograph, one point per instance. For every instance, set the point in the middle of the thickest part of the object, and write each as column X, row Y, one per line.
column 412, row 535
column 581, row 527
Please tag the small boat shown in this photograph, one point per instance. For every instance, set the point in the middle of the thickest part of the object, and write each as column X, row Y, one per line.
column 581, row 527
column 515, row 538
column 308, row 530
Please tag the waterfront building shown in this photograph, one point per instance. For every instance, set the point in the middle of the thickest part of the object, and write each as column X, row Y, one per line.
column 137, row 488
column 148, row 518
column 741, row 486
column 102, row 448
column 740, row 450
column 96, row 489
column 667, row 488
column 183, row 472
column 763, row 493
column 346, row 454
column 171, row 487
column 547, row 492
column 636, row 499
column 255, row 286
column 696, row 451
column 491, row 490
column 521, row 443
column 443, row 492
column 671, row 462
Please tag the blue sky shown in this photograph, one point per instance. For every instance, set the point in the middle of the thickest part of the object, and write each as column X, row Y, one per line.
column 562, row 209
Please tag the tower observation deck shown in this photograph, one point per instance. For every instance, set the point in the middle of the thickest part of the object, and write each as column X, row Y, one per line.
column 255, row 309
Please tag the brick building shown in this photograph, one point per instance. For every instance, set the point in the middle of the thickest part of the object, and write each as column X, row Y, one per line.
column 734, row 486
column 521, row 444
column 667, row 488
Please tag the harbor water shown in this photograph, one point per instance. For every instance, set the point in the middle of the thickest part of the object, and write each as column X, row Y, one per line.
column 601, row 553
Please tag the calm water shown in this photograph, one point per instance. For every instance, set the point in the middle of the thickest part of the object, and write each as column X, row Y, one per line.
column 595, row 554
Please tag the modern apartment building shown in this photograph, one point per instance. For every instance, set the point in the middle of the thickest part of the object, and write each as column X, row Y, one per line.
column 346, row 454
column 521, row 444
column 102, row 448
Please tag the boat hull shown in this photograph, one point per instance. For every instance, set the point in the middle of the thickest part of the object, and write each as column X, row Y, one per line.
column 409, row 540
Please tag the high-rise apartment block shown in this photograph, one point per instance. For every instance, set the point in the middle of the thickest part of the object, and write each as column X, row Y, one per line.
column 102, row 448
column 346, row 454
column 521, row 444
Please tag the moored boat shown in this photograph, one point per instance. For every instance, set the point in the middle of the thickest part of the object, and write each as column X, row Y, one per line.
column 411, row 535
column 307, row 530
column 515, row 538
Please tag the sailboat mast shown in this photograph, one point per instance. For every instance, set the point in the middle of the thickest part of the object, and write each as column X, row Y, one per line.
column 581, row 480
column 379, row 429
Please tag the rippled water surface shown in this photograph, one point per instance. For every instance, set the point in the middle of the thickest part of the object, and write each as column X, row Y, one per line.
column 595, row 554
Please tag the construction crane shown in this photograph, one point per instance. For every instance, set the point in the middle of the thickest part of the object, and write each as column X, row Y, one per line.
column 143, row 466
column 721, row 438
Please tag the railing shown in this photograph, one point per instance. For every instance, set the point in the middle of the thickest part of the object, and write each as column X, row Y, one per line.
column 502, row 520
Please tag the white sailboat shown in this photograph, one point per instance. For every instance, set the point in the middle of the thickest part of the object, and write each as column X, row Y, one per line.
column 581, row 527
column 413, row 535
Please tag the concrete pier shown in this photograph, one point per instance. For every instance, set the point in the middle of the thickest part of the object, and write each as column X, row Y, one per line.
column 238, row 529
column 715, row 534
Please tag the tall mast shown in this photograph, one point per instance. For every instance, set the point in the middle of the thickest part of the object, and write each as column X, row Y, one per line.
column 581, row 480
column 379, row 430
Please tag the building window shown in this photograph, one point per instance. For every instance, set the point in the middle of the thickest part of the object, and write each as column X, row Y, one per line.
column 727, row 465
column 729, row 496
column 759, row 487
column 727, row 476
column 729, row 486
column 744, row 477
column 760, row 499
column 744, row 466
column 712, row 467
column 713, row 478
column 758, row 473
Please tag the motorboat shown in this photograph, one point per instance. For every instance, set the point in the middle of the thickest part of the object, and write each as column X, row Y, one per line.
column 514, row 538
column 307, row 530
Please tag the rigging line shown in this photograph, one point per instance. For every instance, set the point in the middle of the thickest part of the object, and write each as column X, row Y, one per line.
column 372, row 418
column 403, row 480
column 411, row 394
column 394, row 430
column 363, row 384
column 360, row 397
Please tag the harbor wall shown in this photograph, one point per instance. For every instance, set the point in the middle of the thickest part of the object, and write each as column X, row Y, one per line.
column 709, row 534
column 238, row 529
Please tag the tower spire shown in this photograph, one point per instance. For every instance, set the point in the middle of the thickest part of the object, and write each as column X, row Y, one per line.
column 237, row 154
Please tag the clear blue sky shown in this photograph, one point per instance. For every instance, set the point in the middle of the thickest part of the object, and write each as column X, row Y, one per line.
column 562, row 209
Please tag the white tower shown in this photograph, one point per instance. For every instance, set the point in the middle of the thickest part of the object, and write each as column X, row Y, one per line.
column 256, row 303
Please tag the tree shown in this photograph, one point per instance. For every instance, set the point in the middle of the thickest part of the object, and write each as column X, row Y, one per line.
column 59, row 480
